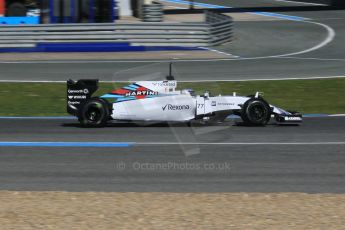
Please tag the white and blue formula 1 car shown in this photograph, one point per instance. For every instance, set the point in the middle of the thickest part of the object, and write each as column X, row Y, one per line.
column 160, row 101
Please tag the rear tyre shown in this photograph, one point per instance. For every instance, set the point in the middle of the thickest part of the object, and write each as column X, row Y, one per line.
column 256, row 111
column 94, row 113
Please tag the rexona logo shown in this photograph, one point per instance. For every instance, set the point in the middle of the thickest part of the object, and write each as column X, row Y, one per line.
column 141, row 93
column 175, row 107
column 293, row 118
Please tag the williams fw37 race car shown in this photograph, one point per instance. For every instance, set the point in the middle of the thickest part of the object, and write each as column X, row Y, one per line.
column 160, row 101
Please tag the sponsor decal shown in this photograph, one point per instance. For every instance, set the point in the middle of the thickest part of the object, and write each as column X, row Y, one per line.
column 292, row 118
column 175, row 107
column 84, row 91
column 78, row 97
column 164, row 84
column 141, row 93
column 74, row 102
column 225, row 104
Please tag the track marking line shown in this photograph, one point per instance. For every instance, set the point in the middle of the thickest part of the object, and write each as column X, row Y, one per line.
column 330, row 31
column 304, row 3
column 131, row 144
column 330, row 37
column 213, row 6
column 337, row 115
column 318, row 59
column 281, row 16
column 238, row 58
column 67, row 144
column 220, row 52
column 240, row 143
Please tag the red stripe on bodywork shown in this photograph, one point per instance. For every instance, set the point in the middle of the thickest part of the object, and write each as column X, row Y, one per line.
column 121, row 91
column 140, row 97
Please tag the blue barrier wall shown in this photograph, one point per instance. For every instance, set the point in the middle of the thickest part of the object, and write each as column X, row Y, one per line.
column 92, row 47
column 19, row 20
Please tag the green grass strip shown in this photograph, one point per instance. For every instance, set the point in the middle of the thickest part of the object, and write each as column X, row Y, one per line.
column 306, row 96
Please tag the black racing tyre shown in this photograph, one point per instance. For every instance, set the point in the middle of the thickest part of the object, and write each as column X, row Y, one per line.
column 94, row 113
column 256, row 111
column 16, row 9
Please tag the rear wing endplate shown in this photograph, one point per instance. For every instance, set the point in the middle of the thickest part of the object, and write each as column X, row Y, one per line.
column 78, row 92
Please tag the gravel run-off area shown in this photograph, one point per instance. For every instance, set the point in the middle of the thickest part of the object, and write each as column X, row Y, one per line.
column 91, row 210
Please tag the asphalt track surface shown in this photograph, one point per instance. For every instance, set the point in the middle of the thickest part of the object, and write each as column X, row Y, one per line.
column 223, row 158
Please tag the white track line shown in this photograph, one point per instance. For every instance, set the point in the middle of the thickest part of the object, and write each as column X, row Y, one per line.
column 317, row 59
column 235, row 58
column 329, row 38
column 304, row 3
column 239, row 143
column 337, row 115
column 326, row 41
column 220, row 52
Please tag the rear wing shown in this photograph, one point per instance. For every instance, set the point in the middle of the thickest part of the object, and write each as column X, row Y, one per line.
column 78, row 92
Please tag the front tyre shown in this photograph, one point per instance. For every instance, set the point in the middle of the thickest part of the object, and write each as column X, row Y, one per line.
column 256, row 111
column 94, row 113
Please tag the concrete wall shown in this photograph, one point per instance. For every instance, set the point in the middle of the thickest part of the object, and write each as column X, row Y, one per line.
column 124, row 7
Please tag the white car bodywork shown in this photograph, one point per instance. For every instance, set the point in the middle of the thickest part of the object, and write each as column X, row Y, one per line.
column 162, row 102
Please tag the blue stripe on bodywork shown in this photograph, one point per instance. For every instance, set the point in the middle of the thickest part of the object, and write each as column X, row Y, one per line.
column 133, row 86
column 125, row 99
column 129, row 88
column 112, row 96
